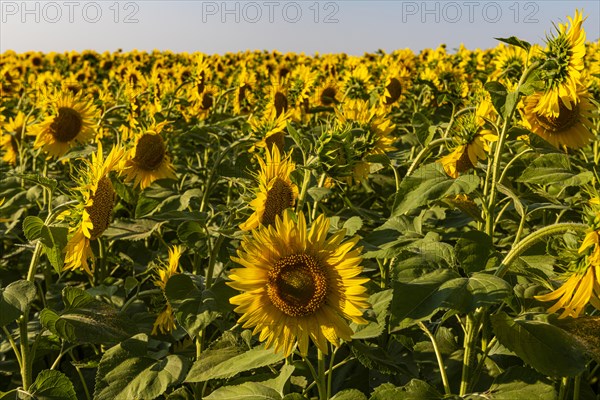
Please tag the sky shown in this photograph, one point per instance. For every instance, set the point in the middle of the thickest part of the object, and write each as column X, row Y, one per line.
column 351, row 26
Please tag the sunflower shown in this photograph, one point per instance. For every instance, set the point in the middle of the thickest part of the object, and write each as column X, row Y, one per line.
column 165, row 322
column 94, row 211
column 271, row 127
column 71, row 121
column 582, row 285
column 328, row 93
column 299, row 284
column 570, row 127
column 565, row 52
column 10, row 137
column 148, row 160
column 276, row 192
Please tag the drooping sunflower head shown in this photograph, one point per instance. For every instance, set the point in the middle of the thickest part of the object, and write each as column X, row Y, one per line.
column 93, row 215
column 148, row 160
column 10, row 137
column 298, row 284
column 509, row 64
column 357, row 83
column 70, row 121
column 570, row 128
column 563, row 66
column 472, row 144
column 276, row 192
column 395, row 81
column 271, row 128
column 328, row 94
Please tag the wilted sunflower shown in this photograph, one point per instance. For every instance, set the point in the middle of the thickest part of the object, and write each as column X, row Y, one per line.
column 165, row 322
column 275, row 193
column 299, row 284
column 565, row 51
column 570, row 127
column 94, row 212
column 582, row 285
column 148, row 160
column 71, row 121
column 473, row 144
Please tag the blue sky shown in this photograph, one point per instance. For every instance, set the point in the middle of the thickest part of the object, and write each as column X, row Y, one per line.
column 352, row 26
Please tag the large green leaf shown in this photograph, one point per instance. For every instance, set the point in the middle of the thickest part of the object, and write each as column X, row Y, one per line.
column 413, row 390
column 15, row 299
column 545, row 347
column 254, row 358
column 195, row 309
column 473, row 250
column 52, row 385
column 430, row 183
column 380, row 303
column 519, row 383
column 443, row 289
column 245, row 391
column 416, row 300
column 349, row 394
column 86, row 320
column 553, row 168
column 134, row 369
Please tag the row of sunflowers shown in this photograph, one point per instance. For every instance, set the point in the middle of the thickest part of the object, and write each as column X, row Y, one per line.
column 283, row 226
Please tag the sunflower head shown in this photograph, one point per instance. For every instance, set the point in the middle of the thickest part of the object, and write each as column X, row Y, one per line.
column 570, row 127
column 276, row 192
column 298, row 284
column 148, row 160
column 70, row 121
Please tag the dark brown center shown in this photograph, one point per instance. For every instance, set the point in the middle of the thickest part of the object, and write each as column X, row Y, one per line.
column 279, row 198
column 100, row 211
column 297, row 285
column 66, row 125
column 149, row 152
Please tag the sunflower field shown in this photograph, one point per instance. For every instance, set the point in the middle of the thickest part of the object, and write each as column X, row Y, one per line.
column 262, row 225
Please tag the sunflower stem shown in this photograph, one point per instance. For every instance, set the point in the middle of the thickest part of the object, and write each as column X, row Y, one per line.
column 423, row 153
column 13, row 345
column 531, row 239
column 321, row 382
column 438, row 356
column 577, row 387
column 498, row 153
column 472, row 328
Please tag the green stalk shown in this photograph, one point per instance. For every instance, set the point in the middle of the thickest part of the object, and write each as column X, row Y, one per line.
column 498, row 154
column 321, row 382
column 534, row 237
column 438, row 356
column 13, row 345
column 472, row 329
column 424, row 152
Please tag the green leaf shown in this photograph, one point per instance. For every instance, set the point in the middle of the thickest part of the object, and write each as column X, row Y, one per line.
column 498, row 94
column 249, row 360
column 421, row 125
column 380, row 303
column 376, row 358
column 430, row 183
column 245, row 391
column 352, row 225
column 548, row 349
column 86, row 320
column 515, row 41
column 416, row 300
column 413, row 390
column 195, row 309
column 319, row 193
column 472, row 250
column 180, row 394
column 15, row 299
column 349, row 394
column 134, row 370
column 442, row 289
column 137, row 230
column 52, row 385
column 553, row 168
column 54, row 240
column 191, row 232
column 32, row 227
column 40, row 180
column 279, row 383
column 519, row 383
